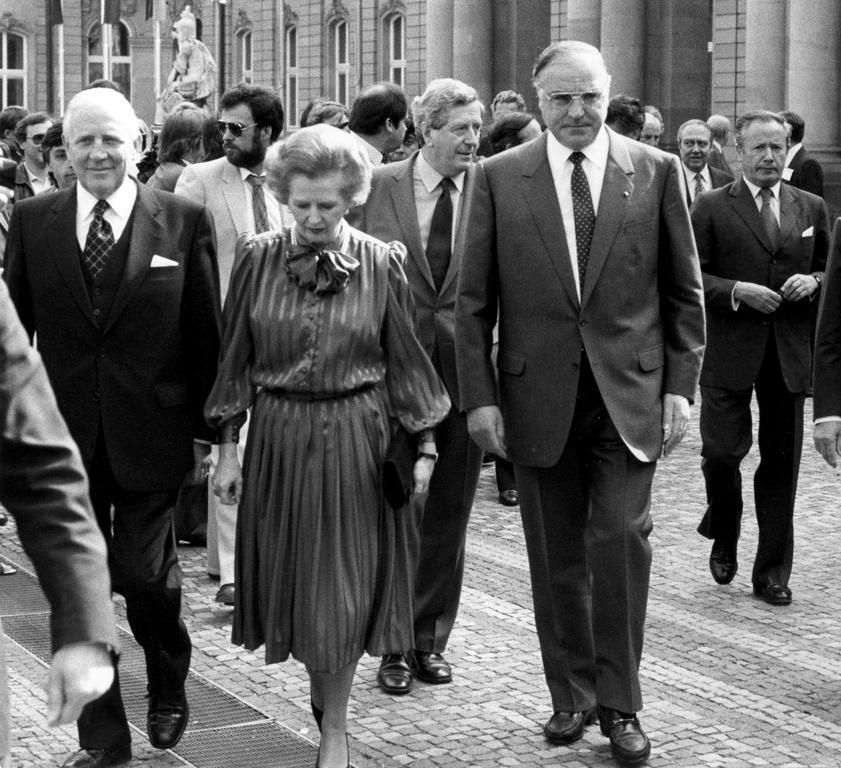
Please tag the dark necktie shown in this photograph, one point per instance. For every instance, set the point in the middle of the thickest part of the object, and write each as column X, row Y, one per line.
column 258, row 203
column 439, row 244
column 99, row 243
column 699, row 185
column 583, row 215
column 769, row 220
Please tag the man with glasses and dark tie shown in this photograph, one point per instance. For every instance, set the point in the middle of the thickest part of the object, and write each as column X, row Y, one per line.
column 120, row 284
column 694, row 140
column 763, row 247
column 32, row 176
column 579, row 246
column 233, row 191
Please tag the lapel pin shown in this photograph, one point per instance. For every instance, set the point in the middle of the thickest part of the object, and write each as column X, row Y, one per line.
column 626, row 193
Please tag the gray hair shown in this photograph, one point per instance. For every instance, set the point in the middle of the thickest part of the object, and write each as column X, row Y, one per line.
column 317, row 151
column 693, row 122
column 104, row 98
column 720, row 126
column 756, row 116
column 567, row 51
column 436, row 101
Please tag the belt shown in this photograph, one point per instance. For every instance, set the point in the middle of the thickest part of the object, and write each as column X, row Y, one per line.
column 312, row 396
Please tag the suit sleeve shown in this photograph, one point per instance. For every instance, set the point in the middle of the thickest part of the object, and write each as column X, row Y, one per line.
column 827, row 373
column 191, row 186
column 811, row 177
column 44, row 486
column 14, row 273
column 476, row 304
column 820, row 250
column 681, row 291
column 718, row 291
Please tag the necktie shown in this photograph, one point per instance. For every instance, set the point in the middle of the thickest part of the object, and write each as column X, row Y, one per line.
column 769, row 221
column 258, row 203
column 439, row 243
column 583, row 215
column 699, row 185
column 99, row 243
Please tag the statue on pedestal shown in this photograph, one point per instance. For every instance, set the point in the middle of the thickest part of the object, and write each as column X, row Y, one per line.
column 193, row 75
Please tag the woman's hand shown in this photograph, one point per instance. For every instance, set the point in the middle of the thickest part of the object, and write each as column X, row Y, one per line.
column 227, row 479
column 422, row 474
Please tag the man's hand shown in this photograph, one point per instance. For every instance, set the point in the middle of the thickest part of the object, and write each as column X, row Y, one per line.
column 675, row 421
column 799, row 287
column 827, row 438
column 227, row 479
column 487, row 430
column 758, row 297
column 79, row 674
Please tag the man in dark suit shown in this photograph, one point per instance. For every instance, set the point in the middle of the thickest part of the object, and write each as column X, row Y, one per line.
column 720, row 127
column 801, row 169
column 43, row 485
column 120, row 284
column 580, row 244
column 419, row 201
column 694, row 141
column 762, row 246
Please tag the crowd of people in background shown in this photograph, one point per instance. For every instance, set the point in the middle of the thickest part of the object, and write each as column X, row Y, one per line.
column 417, row 282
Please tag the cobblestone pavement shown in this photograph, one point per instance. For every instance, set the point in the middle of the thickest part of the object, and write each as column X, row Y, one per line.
column 728, row 680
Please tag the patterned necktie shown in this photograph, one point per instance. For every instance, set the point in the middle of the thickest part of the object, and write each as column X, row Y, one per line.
column 258, row 203
column 769, row 220
column 699, row 185
column 439, row 244
column 583, row 215
column 99, row 243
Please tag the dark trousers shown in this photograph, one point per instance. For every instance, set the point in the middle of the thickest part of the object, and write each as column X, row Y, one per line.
column 143, row 561
column 504, row 475
column 443, row 533
column 586, row 522
column 726, row 434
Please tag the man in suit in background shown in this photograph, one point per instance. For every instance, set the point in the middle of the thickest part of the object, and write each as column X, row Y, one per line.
column 420, row 202
column 694, row 140
column 763, row 247
column 378, row 120
column 44, row 487
column 121, row 286
column 720, row 127
column 801, row 169
column 579, row 244
column 232, row 189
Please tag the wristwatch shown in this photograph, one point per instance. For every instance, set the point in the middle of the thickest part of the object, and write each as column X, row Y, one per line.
column 818, row 279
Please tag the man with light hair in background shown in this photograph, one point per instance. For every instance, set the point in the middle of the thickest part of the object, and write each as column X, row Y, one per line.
column 720, row 127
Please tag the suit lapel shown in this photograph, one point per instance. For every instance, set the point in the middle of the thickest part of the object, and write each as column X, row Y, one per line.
column 61, row 237
column 234, row 194
column 745, row 207
column 403, row 199
column 145, row 237
column 617, row 189
column 542, row 201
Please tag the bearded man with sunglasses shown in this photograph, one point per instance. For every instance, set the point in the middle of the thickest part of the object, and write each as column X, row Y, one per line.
column 232, row 190
column 579, row 243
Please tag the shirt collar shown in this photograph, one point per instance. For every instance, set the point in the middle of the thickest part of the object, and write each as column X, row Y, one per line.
column 596, row 152
column 374, row 154
column 34, row 177
column 120, row 200
column 430, row 178
column 705, row 174
column 245, row 173
column 792, row 151
column 754, row 189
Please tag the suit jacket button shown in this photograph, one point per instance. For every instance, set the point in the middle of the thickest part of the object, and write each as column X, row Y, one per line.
column 96, row 397
column 97, row 313
column 101, row 352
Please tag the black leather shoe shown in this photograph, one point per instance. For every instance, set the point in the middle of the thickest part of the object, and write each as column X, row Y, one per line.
column 509, row 498
column 773, row 594
column 628, row 742
column 99, row 758
column 566, row 727
column 395, row 674
column 166, row 721
column 723, row 565
column 432, row 668
column 226, row 594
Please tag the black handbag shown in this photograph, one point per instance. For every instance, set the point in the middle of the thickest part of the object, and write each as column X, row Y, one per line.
column 398, row 468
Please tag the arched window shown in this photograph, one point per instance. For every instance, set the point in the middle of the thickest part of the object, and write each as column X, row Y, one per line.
column 120, row 56
column 340, row 60
column 246, row 69
column 394, row 36
column 12, row 69
column 292, row 76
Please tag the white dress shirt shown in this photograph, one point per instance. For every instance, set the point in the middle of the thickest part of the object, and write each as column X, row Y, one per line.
column 426, row 182
column 690, row 179
column 594, row 165
column 120, row 205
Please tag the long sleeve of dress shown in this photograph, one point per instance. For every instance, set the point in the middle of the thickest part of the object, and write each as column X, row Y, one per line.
column 418, row 398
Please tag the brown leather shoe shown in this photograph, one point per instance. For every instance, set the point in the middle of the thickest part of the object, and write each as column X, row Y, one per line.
column 99, row 758
column 167, row 720
column 395, row 674
column 432, row 668
column 628, row 742
column 566, row 727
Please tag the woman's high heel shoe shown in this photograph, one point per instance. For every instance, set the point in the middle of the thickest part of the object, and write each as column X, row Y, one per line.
column 318, row 754
column 318, row 714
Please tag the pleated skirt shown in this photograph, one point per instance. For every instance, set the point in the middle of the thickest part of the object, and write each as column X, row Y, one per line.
column 322, row 565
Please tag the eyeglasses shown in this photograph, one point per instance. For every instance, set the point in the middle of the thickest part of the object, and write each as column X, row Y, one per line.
column 37, row 138
column 564, row 100
column 235, row 129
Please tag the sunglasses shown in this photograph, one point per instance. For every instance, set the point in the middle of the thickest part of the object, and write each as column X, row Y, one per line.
column 235, row 129
column 37, row 138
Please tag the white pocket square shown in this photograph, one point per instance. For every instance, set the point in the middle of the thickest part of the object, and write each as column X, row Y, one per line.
column 160, row 261
column 808, row 232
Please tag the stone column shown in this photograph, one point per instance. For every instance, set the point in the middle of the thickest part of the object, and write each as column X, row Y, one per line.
column 623, row 45
column 439, row 38
column 584, row 21
column 473, row 44
column 765, row 46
